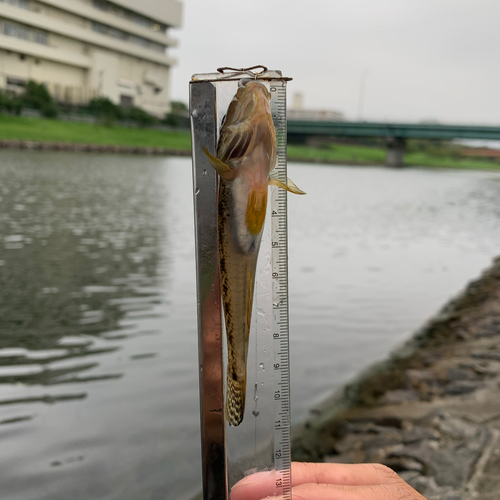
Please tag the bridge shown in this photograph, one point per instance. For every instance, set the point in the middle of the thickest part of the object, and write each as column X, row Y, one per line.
column 394, row 133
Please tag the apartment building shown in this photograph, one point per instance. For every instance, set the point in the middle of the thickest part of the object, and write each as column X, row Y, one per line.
column 84, row 48
column 297, row 112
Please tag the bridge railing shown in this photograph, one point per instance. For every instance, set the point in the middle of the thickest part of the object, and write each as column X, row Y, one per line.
column 401, row 130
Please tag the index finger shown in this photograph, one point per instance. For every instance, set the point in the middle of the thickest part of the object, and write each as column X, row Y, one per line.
column 345, row 474
column 263, row 484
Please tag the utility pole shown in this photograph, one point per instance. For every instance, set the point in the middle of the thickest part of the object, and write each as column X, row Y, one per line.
column 361, row 97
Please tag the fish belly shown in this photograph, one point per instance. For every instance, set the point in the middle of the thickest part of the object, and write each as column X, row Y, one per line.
column 238, row 260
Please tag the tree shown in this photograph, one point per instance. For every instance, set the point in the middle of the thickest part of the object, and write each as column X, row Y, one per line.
column 37, row 96
column 178, row 116
column 105, row 109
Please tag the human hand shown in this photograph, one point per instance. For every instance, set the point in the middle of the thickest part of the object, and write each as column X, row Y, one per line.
column 317, row 481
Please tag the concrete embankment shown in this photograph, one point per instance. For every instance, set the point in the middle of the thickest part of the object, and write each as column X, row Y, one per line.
column 431, row 411
column 92, row 148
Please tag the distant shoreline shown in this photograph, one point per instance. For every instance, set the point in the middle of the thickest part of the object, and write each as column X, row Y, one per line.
column 19, row 132
column 89, row 148
column 29, row 145
column 148, row 150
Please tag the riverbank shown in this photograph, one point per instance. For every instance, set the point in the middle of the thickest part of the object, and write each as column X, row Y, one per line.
column 91, row 148
column 353, row 154
column 432, row 411
column 45, row 134
column 45, row 131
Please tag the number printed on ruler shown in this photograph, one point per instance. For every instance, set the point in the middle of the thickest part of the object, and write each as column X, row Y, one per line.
column 279, row 268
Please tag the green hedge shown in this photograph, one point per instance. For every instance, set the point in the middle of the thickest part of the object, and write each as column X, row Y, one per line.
column 36, row 96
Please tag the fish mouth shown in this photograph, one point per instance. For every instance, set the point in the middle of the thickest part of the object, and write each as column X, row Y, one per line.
column 253, row 100
column 247, row 86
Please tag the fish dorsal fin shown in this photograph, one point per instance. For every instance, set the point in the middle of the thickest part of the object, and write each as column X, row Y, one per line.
column 289, row 186
column 225, row 171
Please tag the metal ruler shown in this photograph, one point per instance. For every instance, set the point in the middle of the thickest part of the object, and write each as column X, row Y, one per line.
column 209, row 96
column 279, row 266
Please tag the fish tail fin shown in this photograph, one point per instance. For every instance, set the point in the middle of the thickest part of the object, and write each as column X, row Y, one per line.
column 235, row 401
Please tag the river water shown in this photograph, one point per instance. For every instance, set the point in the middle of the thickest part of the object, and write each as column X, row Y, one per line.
column 98, row 342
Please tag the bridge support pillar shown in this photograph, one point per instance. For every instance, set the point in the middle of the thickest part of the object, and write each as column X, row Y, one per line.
column 395, row 152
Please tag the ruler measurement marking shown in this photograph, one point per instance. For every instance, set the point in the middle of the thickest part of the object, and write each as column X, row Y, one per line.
column 279, row 267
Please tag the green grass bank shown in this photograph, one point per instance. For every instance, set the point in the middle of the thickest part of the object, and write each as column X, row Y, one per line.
column 41, row 129
column 50, row 130
column 367, row 155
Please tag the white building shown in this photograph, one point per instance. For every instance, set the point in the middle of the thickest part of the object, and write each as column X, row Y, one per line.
column 84, row 48
column 297, row 112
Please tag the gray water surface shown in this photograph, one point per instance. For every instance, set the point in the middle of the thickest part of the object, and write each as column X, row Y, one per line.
column 98, row 342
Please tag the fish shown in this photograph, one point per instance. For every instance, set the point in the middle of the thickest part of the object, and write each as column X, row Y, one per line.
column 245, row 159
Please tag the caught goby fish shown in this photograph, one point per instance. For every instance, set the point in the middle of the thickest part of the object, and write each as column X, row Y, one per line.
column 246, row 156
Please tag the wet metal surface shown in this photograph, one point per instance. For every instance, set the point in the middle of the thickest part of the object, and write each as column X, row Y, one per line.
column 210, row 341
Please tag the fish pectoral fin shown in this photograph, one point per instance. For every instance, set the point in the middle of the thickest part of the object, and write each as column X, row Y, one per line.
column 289, row 186
column 222, row 169
column 235, row 140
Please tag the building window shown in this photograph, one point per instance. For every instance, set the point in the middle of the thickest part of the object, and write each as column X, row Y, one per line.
column 126, row 101
column 40, row 37
column 16, row 82
column 25, row 33
column 24, row 4
column 107, row 30
column 138, row 40
column 117, row 34
column 130, row 15
column 122, row 35
column 17, row 31
column 100, row 28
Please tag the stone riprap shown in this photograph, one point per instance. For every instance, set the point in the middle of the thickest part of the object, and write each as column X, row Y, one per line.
column 432, row 411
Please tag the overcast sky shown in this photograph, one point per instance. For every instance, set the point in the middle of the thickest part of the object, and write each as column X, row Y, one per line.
column 423, row 59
